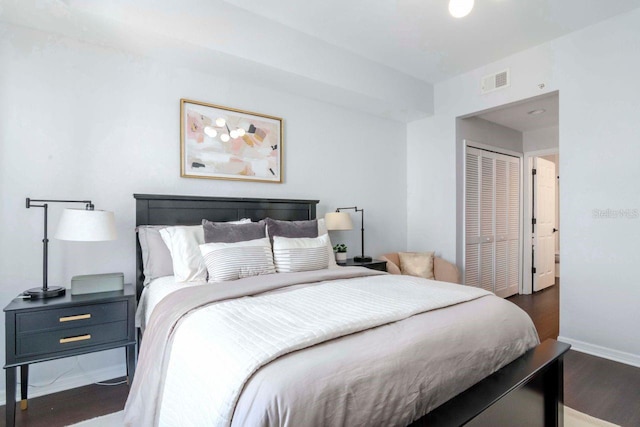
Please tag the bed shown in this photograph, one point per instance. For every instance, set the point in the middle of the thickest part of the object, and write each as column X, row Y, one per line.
column 459, row 372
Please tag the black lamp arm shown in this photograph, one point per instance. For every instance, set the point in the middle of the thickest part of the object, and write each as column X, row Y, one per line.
column 88, row 204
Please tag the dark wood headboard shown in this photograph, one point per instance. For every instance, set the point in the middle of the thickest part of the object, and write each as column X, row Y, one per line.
column 155, row 209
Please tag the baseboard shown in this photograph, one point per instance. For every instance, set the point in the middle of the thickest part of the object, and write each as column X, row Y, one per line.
column 73, row 380
column 604, row 352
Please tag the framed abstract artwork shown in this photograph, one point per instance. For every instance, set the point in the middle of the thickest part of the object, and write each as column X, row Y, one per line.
column 224, row 143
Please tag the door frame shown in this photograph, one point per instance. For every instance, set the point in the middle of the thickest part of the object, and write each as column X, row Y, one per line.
column 527, row 214
column 480, row 146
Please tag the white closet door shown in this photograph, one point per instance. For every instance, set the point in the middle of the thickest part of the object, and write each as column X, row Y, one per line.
column 507, row 225
column 513, row 228
column 502, row 218
column 487, row 223
column 472, row 218
column 492, row 221
column 479, row 220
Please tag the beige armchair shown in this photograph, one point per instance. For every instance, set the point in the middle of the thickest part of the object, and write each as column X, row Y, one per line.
column 442, row 270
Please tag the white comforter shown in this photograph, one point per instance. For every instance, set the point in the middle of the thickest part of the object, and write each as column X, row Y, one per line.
column 155, row 292
column 231, row 340
column 235, row 361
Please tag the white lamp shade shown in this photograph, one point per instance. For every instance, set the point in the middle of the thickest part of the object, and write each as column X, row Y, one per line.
column 338, row 221
column 86, row 225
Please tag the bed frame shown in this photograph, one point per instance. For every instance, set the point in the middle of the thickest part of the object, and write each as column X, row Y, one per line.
column 529, row 391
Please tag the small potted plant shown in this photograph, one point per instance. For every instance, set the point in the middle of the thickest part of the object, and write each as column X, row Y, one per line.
column 341, row 253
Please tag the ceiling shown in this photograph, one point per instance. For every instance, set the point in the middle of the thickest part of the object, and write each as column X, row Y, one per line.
column 516, row 116
column 420, row 38
column 381, row 57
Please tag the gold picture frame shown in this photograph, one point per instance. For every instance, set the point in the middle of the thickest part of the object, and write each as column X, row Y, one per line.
column 218, row 142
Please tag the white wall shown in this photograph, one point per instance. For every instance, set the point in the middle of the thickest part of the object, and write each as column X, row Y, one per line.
column 540, row 139
column 240, row 44
column 488, row 133
column 431, row 216
column 599, row 129
column 81, row 121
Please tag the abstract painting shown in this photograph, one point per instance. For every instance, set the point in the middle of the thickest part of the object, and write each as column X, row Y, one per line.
column 224, row 143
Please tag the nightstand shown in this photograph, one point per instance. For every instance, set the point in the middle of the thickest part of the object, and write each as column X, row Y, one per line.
column 375, row 264
column 47, row 329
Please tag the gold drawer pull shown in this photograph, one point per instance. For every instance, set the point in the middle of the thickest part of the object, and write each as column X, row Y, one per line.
column 74, row 339
column 78, row 317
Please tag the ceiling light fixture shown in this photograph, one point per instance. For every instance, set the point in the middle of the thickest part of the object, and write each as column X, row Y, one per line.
column 536, row 112
column 460, row 8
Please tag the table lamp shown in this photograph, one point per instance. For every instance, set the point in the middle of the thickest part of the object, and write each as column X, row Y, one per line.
column 342, row 221
column 84, row 225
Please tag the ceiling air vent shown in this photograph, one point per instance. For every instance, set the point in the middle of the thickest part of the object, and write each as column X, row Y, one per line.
column 495, row 81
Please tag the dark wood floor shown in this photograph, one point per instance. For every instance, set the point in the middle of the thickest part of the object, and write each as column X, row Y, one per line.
column 70, row 406
column 544, row 308
column 595, row 386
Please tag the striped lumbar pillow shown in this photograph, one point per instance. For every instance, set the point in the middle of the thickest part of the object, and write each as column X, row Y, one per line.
column 231, row 261
column 300, row 254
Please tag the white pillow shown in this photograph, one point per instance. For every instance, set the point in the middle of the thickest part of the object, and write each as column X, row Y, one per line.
column 322, row 229
column 231, row 261
column 300, row 254
column 156, row 257
column 183, row 242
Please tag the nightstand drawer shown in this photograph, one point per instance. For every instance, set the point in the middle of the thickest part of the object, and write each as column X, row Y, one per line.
column 71, row 317
column 70, row 338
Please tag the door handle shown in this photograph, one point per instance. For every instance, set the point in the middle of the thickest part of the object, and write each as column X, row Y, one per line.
column 554, row 230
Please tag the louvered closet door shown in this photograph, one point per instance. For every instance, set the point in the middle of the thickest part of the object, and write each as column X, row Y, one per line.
column 472, row 218
column 492, row 227
column 487, row 224
column 507, row 223
column 479, row 218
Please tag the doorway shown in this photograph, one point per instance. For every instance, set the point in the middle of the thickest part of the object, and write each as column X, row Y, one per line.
column 529, row 129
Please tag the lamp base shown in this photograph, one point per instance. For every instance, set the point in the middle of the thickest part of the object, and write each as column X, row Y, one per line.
column 39, row 293
column 362, row 259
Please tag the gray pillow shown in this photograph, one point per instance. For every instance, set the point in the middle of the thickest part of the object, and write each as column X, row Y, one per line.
column 292, row 228
column 225, row 232
column 156, row 258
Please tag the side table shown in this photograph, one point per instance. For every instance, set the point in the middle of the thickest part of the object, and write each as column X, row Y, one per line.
column 47, row 329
